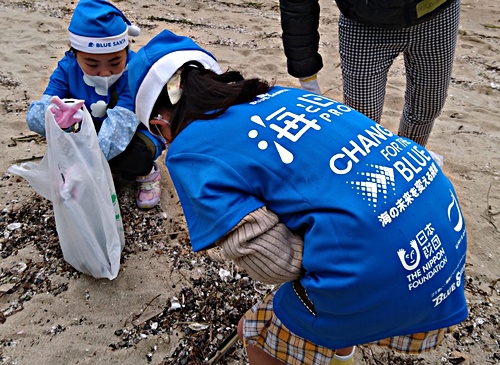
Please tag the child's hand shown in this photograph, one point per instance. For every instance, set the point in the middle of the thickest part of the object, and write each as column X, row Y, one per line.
column 66, row 114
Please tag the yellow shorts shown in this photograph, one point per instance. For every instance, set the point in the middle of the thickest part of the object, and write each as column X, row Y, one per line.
column 263, row 329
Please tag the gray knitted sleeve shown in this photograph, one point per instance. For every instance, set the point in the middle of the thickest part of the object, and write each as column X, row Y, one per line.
column 264, row 247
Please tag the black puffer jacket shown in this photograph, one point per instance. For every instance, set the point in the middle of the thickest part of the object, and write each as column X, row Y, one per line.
column 300, row 21
column 391, row 14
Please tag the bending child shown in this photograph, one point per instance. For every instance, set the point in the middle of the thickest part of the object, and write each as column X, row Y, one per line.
column 95, row 70
column 359, row 228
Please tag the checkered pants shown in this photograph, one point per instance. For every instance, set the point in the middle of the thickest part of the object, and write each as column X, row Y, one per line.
column 261, row 328
column 367, row 53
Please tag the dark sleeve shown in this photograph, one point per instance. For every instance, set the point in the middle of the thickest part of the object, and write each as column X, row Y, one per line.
column 299, row 25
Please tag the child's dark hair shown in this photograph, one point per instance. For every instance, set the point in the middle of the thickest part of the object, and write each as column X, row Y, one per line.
column 206, row 95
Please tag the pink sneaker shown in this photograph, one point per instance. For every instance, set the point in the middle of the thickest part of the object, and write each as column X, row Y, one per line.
column 148, row 189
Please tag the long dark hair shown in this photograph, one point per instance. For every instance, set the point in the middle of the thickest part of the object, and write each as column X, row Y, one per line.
column 207, row 95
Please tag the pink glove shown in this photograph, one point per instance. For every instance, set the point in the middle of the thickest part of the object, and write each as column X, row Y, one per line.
column 66, row 114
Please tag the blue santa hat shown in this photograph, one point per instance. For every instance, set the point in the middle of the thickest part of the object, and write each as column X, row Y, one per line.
column 156, row 62
column 97, row 26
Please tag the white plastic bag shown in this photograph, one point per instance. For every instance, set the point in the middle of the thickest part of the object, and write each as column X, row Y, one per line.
column 75, row 176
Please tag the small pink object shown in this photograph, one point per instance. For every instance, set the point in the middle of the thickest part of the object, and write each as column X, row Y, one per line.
column 66, row 114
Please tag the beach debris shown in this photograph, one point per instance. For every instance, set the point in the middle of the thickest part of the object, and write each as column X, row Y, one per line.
column 203, row 314
column 174, row 305
column 14, row 226
column 147, row 316
column 224, row 274
column 196, row 326
column 28, row 138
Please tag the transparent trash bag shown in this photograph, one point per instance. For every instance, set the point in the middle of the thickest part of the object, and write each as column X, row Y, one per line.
column 75, row 176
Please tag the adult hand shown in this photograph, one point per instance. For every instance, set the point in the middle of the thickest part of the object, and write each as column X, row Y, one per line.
column 310, row 83
column 66, row 114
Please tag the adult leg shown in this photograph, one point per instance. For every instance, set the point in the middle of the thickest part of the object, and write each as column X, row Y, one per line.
column 366, row 54
column 429, row 62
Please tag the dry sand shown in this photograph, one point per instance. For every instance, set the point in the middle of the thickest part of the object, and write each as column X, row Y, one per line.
column 50, row 314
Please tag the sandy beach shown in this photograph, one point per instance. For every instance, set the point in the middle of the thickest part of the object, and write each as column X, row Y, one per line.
column 51, row 314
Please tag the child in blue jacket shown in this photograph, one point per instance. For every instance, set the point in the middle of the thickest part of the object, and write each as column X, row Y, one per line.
column 359, row 228
column 95, row 70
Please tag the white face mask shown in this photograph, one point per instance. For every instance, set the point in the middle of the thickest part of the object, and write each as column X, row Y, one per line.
column 101, row 83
